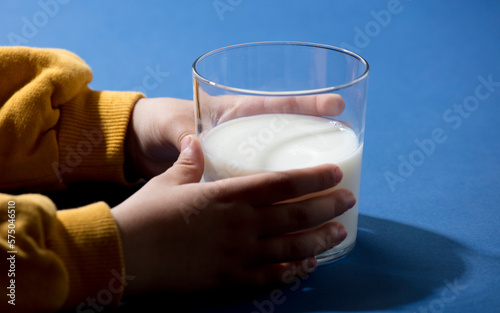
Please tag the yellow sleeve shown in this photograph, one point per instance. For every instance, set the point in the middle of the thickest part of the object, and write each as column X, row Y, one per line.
column 54, row 129
column 52, row 260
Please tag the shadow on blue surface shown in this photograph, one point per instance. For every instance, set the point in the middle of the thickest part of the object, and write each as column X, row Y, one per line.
column 392, row 265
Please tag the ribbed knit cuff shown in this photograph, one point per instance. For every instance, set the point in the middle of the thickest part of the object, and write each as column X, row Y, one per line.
column 92, row 135
column 89, row 245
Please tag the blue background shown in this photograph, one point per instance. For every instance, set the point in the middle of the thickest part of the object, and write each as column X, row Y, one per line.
column 430, row 195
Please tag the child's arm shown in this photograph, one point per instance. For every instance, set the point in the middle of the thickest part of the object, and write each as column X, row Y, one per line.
column 54, row 129
column 56, row 259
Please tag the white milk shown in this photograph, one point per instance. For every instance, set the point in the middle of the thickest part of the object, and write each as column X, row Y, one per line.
column 275, row 142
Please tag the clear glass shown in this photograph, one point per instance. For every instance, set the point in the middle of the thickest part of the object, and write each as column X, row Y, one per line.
column 270, row 106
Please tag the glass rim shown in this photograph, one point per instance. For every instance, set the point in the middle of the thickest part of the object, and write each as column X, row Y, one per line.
column 282, row 93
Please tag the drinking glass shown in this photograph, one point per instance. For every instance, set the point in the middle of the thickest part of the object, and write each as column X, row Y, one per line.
column 272, row 106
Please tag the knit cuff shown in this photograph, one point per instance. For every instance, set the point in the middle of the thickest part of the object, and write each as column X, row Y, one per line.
column 92, row 135
column 88, row 244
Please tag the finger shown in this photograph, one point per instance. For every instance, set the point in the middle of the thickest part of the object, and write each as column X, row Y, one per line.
column 298, row 246
column 267, row 188
column 324, row 104
column 189, row 166
column 318, row 105
column 291, row 217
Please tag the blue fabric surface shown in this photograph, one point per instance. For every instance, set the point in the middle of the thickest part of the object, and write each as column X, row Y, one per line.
column 430, row 214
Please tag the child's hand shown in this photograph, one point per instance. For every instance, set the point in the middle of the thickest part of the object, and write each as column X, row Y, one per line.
column 158, row 125
column 154, row 135
column 181, row 235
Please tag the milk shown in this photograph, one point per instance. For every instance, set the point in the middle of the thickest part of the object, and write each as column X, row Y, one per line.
column 276, row 142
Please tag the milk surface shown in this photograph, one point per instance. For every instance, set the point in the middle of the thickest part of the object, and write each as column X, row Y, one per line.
column 275, row 142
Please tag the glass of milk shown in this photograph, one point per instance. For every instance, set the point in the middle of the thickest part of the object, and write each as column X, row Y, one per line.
column 272, row 106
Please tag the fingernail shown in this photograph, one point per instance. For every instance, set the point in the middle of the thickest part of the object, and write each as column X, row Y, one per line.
column 338, row 175
column 186, row 142
column 342, row 233
column 350, row 199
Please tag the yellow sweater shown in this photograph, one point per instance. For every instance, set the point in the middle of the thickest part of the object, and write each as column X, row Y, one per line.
column 53, row 130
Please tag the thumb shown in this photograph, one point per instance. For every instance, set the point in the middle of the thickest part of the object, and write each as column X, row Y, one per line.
column 189, row 165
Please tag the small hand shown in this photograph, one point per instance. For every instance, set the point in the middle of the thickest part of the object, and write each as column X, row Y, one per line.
column 158, row 125
column 180, row 235
column 156, row 129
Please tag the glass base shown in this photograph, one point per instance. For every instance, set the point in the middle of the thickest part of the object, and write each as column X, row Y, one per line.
column 333, row 255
